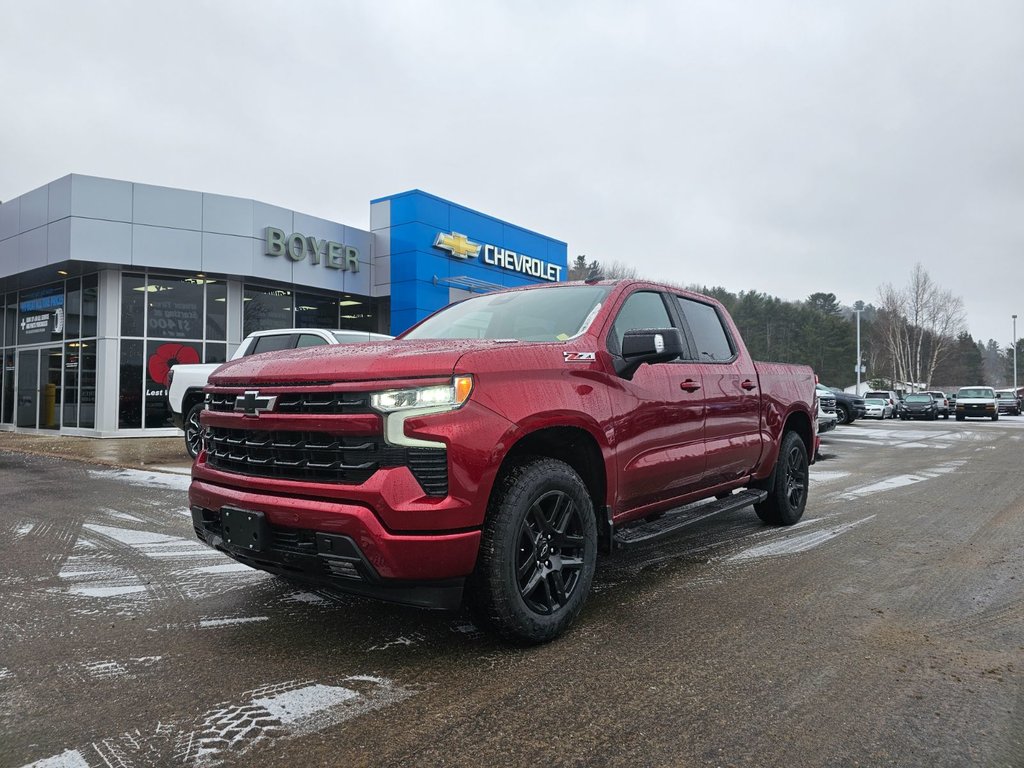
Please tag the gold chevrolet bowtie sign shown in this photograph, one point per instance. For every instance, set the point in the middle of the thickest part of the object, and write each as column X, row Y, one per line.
column 457, row 245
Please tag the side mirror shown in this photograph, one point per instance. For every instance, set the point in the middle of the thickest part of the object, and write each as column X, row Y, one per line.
column 648, row 345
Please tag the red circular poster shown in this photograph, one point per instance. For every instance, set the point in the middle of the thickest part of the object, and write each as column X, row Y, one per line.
column 166, row 355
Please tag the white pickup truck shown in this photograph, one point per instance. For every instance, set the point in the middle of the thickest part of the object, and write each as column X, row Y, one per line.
column 185, row 385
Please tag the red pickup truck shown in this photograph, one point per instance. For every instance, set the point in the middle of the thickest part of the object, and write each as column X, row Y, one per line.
column 493, row 449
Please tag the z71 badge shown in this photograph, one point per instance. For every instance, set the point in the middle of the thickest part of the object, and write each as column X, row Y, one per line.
column 579, row 357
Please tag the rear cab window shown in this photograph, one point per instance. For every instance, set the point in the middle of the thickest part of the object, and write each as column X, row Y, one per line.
column 710, row 336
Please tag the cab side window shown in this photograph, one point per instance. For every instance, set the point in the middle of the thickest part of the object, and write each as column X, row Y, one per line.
column 709, row 334
column 271, row 343
column 643, row 309
column 310, row 340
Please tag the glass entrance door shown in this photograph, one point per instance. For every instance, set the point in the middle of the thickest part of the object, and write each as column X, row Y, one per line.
column 28, row 387
column 39, row 388
column 50, row 375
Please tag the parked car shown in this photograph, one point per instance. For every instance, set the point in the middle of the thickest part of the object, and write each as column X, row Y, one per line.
column 185, row 382
column 826, row 399
column 827, row 420
column 889, row 396
column 941, row 401
column 1008, row 402
column 976, row 402
column 877, row 408
column 849, row 407
column 919, row 405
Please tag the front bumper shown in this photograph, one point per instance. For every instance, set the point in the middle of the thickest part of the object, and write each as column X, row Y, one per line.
column 424, row 571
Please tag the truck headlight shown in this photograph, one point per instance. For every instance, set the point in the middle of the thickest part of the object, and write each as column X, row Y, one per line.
column 442, row 397
column 397, row 405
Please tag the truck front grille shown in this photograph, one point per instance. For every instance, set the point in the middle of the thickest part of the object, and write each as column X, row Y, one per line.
column 300, row 402
column 321, row 457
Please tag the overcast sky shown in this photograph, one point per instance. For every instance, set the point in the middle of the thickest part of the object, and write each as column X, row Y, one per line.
column 784, row 147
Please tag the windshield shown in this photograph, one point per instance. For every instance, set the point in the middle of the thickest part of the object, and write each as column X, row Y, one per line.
column 875, row 401
column 918, row 398
column 974, row 392
column 545, row 314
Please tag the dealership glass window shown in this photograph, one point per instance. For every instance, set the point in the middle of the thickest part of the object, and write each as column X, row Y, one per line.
column 175, row 307
column 129, row 415
column 215, row 353
column 313, row 311
column 216, row 310
column 266, row 309
column 90, row 303
column 10, row 319
column 72, row 363
column 133, row 304
column 7, row 386
column 160, row 356
column 41, row 314
column 73, row 308
column 359, row 313
column 87, row 384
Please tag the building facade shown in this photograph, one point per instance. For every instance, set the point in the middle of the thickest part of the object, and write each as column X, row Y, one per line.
column 105, row 284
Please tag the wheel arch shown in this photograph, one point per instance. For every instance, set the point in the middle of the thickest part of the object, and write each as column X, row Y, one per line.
column 573, row 445
column 193, row 396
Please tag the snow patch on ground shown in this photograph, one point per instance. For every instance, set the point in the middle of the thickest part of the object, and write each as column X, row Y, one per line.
column 796, row 544
column 227, row 622
column 235, row 728
column 144, row 478
column 898, row 481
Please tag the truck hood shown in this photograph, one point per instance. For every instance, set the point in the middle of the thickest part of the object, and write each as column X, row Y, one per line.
column 373, row 361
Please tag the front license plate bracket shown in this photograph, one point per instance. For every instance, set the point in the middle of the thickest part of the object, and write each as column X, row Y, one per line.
column 244, row 529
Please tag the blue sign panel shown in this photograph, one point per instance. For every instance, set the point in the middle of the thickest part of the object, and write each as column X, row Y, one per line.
column 440, row 251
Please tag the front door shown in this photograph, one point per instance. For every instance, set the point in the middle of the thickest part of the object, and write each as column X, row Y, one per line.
column 39, row 388
column 50, row 375
column 28, row 388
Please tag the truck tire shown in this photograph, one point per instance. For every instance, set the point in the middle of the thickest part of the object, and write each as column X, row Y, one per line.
column 844, row 414
column 787, row 491
column 537, row 553
column 193, row 432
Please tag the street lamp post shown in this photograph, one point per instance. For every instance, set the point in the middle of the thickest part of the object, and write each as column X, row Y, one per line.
column 1014, row 354
column 858, row 308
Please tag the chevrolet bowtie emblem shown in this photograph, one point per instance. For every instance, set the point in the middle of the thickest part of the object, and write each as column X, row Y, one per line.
column 457, row 245
column 252, row 404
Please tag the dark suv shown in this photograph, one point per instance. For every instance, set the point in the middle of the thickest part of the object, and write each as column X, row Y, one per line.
column 849, row 407
column 919, row 405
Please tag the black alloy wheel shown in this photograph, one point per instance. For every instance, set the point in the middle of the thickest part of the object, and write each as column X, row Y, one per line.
column 549, row 559
column 538, row 552
column 193, row 430
column 787, row 491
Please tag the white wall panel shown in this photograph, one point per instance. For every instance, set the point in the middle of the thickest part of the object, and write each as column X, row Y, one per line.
column 96, row 198
column 34, row 207
column 101, row 241
column 167, row 247
column 227, row 215
column 166, row 207
column 59, row 193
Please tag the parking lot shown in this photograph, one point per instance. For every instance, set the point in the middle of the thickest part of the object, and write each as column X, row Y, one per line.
column 886, row 628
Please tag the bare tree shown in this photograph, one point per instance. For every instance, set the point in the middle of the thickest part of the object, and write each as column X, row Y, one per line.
column 920, row 323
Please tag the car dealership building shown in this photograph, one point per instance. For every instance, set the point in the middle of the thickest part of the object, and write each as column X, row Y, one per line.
column 105, row 284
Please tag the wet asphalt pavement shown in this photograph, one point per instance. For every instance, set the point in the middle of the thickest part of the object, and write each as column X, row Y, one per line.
column 887, row 628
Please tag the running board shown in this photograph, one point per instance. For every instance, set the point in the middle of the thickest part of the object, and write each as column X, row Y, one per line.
column 676, row 519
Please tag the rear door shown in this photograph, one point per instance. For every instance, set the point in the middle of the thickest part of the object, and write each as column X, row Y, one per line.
column 732, row 400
